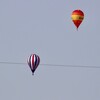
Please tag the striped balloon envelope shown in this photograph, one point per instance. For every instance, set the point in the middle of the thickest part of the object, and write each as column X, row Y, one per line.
column 33, row 62
column 77, row 17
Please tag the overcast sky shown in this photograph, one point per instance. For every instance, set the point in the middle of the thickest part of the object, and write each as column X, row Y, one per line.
column 44, row 27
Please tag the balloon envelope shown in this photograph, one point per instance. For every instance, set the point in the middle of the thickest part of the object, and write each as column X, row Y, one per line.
column 77, row 17
column 33, row 62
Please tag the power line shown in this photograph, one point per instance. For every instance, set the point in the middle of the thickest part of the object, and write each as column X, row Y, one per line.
column 53, row 65
column 81, row 66
column 15, row 63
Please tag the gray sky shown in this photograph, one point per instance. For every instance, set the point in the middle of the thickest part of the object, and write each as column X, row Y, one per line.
column 44, row 27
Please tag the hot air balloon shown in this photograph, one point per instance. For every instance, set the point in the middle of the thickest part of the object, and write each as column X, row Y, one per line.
column 33, row 62
column 77, row 17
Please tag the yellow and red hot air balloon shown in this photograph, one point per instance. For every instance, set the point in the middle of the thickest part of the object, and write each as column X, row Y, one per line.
column 77, row 17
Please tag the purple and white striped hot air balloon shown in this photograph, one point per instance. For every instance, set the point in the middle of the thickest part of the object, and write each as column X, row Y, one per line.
column 33, row 62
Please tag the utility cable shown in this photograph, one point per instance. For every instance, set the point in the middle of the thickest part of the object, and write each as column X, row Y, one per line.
column 53, row 65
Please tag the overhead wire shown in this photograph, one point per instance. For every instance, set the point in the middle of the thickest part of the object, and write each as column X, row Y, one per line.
column 53, row 65
column 15, row 63
column 81, row 66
